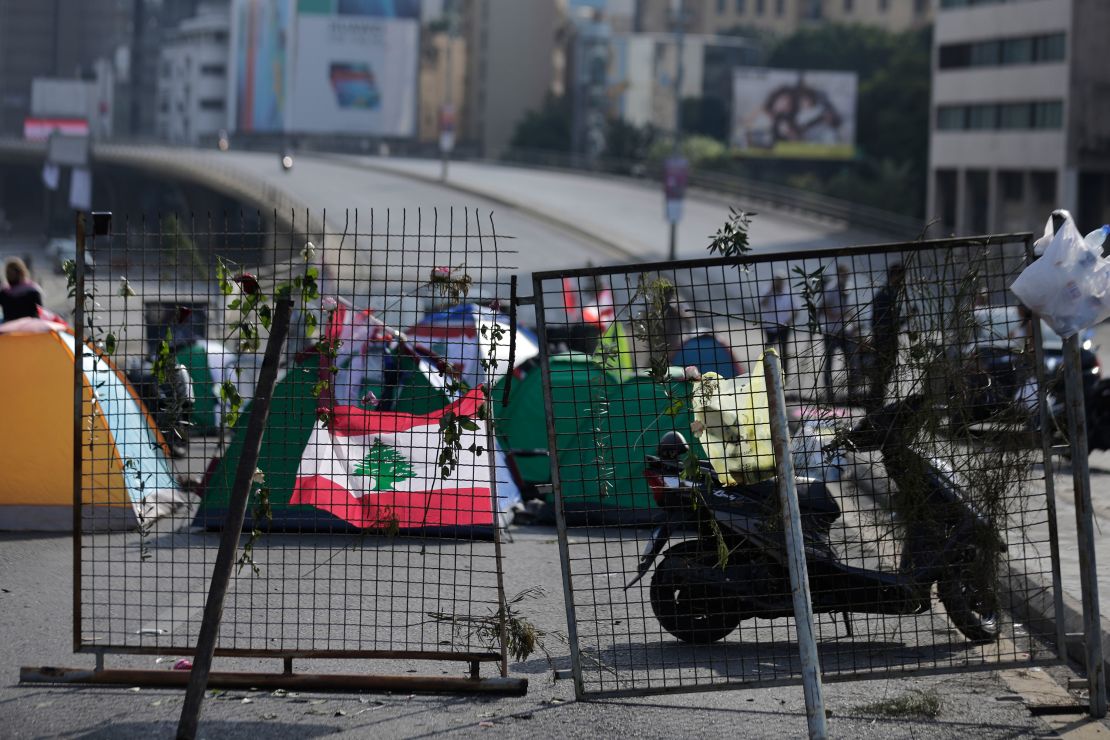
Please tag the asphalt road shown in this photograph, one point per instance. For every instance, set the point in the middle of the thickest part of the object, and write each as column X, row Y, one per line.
column 151, row 592
column 34, row 618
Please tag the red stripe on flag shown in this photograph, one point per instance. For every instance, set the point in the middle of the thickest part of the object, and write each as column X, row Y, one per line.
column 448, row 507
column 351, row 421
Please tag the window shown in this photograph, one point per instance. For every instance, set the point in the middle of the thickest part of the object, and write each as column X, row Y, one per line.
column 849, row 6
column 759, row 7
column 951, row 117
column 741, row 6
column 1014, row 116
column 1011, row 186
column 982, row 117
column 780, row 8
column 1044, row 187
column 920, row 7
column 952, row 56
column 212, row 104
column 215, row 70
column 985, row 54
column 1017, row 51
column 884, row 6
column 1024, row 116
column 721, row 6
column 1048, row 115
column 1050, row 48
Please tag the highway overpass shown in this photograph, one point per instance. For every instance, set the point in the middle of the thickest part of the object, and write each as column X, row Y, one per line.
column 560, row 219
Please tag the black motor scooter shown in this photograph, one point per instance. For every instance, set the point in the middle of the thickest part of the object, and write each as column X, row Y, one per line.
column 700, row 599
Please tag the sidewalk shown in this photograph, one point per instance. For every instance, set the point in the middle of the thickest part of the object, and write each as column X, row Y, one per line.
column 1067, row 529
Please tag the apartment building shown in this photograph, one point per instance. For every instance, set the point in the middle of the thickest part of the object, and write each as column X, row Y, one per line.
column 784, row 16
column 1020, row 117
column 515, row 57
column 192, row 78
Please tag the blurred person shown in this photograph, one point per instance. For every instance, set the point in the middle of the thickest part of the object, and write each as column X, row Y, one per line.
column 840, row 327
column 779, row 306
column 886, row 322
column 22, row 296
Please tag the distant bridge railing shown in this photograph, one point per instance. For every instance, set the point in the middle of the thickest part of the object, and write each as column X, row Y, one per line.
column 167, row 161
column 234, row 182
column 780, row 197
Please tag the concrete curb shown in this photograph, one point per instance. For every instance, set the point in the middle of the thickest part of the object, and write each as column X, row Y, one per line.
column 1030, row 599
column 617, row 249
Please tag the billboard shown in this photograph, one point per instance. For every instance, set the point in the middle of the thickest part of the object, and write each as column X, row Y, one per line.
column 260, row 33
column 792, row 113
column 327, row 66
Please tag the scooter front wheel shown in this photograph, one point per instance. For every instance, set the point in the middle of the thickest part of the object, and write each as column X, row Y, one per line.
column 693, row 611
column 972, row 613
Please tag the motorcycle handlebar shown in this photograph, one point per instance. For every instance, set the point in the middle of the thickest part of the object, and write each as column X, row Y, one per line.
column 881, row 427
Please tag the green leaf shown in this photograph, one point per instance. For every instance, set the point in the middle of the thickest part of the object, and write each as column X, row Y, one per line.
column 675, row 407
column 110, row 344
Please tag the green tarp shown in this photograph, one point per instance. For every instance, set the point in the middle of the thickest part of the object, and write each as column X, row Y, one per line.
column 603, row 429
column 292, row 417
column 195, row 358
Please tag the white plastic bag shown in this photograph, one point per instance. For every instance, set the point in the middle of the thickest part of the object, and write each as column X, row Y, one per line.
column 1095, row 238
column 1068, row 285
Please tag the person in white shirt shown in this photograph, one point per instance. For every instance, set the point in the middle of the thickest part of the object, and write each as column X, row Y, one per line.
column 779, row 306
column 838, row 314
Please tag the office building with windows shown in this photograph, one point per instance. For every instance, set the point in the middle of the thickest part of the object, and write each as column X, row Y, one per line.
column 784, row 16
column 1021, row 120
column 192, row 78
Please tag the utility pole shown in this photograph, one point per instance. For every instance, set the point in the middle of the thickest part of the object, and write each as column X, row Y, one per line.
column 676, row 169
column 447, row 110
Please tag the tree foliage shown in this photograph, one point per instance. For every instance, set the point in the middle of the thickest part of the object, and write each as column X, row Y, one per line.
column 706, row 116
column 547, row 128
column 893, row 113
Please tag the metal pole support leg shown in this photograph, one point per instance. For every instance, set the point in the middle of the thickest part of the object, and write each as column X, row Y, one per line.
column 1084, row 520
column 795, row 548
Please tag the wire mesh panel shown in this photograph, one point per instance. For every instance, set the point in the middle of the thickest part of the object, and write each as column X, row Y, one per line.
column 374, row 512
column 920, row 422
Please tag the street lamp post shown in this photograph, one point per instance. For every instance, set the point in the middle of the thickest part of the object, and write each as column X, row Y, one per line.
column 676, row 169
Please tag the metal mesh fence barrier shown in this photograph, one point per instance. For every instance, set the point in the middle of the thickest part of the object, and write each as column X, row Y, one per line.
column 921, row 417
column 373, row 513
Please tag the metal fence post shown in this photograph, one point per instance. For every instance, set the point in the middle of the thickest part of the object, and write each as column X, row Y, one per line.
column 78, row 418
column 795, row 548
column 233, row 526
column 1081, row 480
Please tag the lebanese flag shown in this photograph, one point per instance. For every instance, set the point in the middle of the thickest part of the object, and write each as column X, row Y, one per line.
column 381, row 469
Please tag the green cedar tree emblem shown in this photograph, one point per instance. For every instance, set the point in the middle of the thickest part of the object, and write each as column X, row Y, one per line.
column 385, row 465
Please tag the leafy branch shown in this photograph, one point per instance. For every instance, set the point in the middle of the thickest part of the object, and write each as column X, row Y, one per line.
column 731, row 240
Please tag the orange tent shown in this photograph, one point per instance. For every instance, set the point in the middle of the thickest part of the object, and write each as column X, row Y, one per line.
column 125, row 468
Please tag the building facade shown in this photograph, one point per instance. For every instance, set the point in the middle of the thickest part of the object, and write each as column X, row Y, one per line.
column 515, row 59
column 56, row 40
column 1019, row 125
column 783, row 16
column 192, row 78
column 442, row 79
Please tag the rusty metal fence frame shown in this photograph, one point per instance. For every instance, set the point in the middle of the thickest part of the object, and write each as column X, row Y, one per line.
column 595, row 543
column 410, row 257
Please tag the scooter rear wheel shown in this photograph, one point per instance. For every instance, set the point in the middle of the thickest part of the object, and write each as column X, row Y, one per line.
column 693, row 611
column 972, row 614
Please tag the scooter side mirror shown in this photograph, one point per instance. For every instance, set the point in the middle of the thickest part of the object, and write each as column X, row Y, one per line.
column 672, row 447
